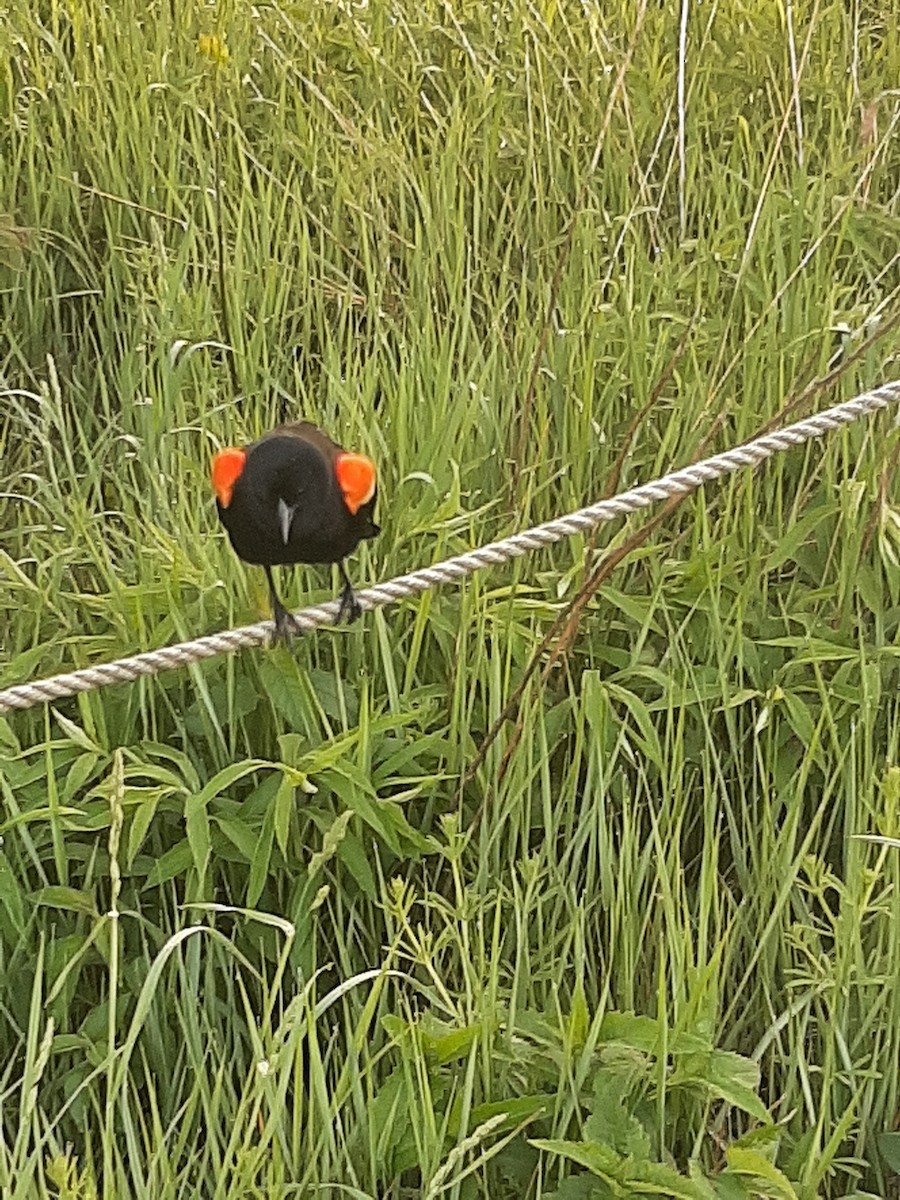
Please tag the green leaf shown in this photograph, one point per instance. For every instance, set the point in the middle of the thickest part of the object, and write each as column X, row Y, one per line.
column 392, row 1131
column 452, row 1046
column 579, row 1018
column 39, row 814
column 753, row 1165
column 77, row 735
column 67, row 898
column 599, row 1160
column 8, row 740
column 336, row 696
column 140, row 823
column 662, row 1180
column 283, row 808
column 356, row 793
column 705, row 1188
column 196, row 819
column 11, row 896
column 889, row 1147
column 196, row 807
column 331, row 840
column 647, row 735
column 223, row 780
column 185, row 777
column 732, row 1187
column 729, row 1076
column 813, row 649
column 799, row 531
column 239, row 834
column 626, row 1175
column 272, row 920
column 643, row 1034
column 174, row 862
column 582, row 1187
column 610, row 1122
column 396, row 1027
column 801, row 719
column 79, row 773
column 522, row 1108
column 283, row 683
column 351, row 853
column 259, row 865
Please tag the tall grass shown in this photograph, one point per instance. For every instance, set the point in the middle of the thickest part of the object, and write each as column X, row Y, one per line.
column 260, row 932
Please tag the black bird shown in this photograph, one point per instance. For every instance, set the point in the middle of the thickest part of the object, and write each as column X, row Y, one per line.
column 295, row 496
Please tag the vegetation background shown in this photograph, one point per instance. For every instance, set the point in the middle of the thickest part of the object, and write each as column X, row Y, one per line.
column 524, row 254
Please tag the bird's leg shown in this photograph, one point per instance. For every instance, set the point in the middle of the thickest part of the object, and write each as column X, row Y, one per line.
column 285, row 623
column 350, row 606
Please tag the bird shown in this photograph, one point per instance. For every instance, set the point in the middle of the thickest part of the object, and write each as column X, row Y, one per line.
column 295, row 496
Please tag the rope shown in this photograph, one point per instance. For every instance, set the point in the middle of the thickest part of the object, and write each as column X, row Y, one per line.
column 678, row 483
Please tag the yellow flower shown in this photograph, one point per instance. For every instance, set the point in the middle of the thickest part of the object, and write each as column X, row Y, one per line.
column 213, row 47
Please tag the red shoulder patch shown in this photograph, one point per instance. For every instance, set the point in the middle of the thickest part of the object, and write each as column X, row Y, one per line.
column 227, row 468
column 357, row 479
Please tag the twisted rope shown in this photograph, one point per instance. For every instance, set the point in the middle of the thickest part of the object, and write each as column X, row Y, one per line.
column 678, row 483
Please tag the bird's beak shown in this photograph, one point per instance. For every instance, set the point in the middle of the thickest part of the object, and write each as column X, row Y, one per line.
column 285, row 519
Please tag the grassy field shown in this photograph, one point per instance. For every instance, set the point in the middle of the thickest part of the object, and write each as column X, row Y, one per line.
column 264, row 931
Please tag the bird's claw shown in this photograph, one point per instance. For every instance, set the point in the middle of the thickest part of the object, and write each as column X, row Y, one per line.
column 286, row 625
column 350, row 609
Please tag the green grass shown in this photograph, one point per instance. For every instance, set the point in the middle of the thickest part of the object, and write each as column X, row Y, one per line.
column 642, row 951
